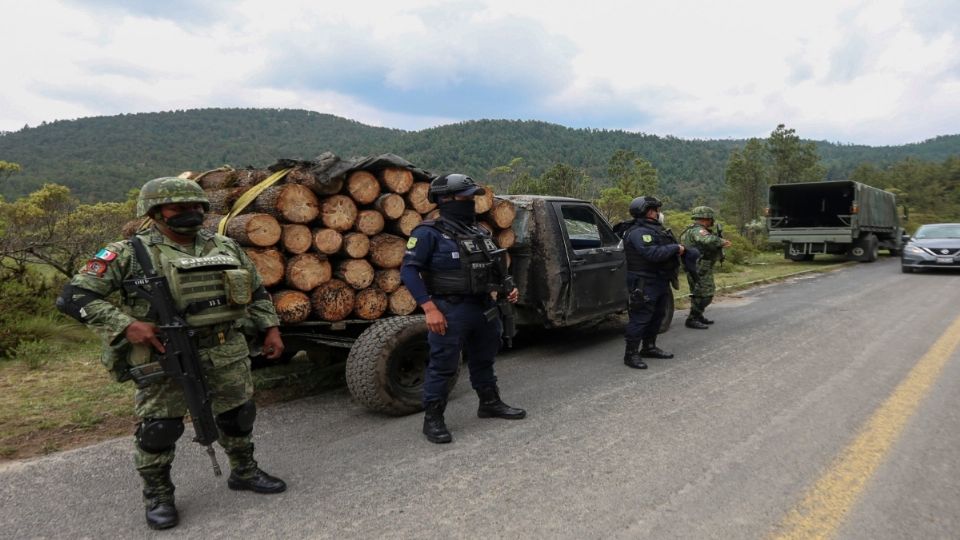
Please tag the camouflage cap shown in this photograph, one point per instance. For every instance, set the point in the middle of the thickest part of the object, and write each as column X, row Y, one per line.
column 169, row 190
column 703, row 212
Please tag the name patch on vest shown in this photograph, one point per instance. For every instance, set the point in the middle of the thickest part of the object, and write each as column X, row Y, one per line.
column 202, row 262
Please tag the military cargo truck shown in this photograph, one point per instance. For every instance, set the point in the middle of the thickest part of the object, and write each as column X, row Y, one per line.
column 568, row 265
column 835, row 217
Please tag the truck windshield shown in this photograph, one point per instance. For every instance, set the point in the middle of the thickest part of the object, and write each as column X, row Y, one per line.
column 951, row 230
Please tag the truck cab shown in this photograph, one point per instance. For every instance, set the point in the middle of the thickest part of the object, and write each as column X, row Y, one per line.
column 568, row 263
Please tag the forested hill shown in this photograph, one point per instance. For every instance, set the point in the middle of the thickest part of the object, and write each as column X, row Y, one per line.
column 103, row 158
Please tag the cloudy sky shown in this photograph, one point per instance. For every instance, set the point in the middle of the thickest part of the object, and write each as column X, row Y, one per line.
column 852, row 71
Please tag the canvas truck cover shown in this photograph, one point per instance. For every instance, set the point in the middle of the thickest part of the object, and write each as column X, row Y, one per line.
column 832, row 204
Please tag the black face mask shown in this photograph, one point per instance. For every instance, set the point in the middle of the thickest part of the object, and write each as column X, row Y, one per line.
column 464, row 211
column 185, row 222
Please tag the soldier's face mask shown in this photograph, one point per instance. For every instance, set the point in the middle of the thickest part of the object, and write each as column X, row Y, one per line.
column 464, row 211
column 188, row 222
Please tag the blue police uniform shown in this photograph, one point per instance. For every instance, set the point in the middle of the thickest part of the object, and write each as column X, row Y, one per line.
column 472, row 324
column 651, row 252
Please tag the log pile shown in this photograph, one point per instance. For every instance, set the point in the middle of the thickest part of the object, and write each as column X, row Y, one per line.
column 328, row 239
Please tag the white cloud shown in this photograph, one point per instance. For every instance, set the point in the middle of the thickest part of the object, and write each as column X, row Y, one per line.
column 846, row 70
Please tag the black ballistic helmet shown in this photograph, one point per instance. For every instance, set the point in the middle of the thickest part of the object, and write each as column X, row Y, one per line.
column 640, row 205
column 453, row 184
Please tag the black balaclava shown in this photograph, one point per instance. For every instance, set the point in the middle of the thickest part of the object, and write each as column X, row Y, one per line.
column 462, row 211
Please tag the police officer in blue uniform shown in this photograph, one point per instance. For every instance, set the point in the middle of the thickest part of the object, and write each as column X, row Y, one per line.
column 451, row 267
column 653, row 259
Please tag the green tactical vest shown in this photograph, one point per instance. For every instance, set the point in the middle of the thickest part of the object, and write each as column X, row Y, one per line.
column 208, row 290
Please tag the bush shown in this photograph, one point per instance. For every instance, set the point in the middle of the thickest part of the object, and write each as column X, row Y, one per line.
column 741, row 249
column 35, row 353
column 29, row 315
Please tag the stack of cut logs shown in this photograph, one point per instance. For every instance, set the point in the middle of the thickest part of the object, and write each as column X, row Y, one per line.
column 332, row 250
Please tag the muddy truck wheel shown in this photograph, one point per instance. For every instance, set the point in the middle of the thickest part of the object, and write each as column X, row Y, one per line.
column 668, row 316
column 385, row 367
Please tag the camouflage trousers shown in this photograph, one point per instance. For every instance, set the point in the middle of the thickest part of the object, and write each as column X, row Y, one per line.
column 231, row 385
column 702, row 290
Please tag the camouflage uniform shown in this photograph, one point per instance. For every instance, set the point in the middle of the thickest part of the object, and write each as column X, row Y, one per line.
column 222, row 347
column 225, row 360
column 710, row 245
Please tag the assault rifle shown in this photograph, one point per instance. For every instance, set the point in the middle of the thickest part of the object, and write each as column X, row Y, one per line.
column 181, row 359
column 723, row 256
column 508, row 316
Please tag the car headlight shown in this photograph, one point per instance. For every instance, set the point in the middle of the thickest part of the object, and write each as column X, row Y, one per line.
column 914, row 249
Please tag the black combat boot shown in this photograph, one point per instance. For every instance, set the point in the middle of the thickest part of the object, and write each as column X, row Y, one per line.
column 491, row 406
column 632, row 358
column 433, row 426
column 695, row 322
column 246, row 475
column 705, row 320
column 650, row 350
column 158, row 499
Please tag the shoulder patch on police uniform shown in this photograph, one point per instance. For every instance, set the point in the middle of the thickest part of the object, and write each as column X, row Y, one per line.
column 411, row 243
column 647, row 238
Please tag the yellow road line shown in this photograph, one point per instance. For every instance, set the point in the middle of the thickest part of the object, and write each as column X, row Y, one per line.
column 826, row 503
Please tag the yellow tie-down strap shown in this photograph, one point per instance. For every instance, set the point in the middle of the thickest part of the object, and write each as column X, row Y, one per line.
column 249, row 196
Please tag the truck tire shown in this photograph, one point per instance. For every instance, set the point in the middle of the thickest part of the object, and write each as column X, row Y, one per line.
column 865, row 249
column 873, row 248
column 668, row 317
column 385, row 366
column 798, row 257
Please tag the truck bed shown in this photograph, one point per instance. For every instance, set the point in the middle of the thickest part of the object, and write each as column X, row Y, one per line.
column 833, row 204
column 813, row 205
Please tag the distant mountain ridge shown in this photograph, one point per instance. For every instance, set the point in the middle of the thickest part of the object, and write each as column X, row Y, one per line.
column 102, row 158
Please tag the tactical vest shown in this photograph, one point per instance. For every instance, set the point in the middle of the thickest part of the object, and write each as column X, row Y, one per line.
column 477, row 255
column 208, row 290
column 637, row 263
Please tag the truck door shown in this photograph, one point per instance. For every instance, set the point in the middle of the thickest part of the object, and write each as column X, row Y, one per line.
column 596, row 260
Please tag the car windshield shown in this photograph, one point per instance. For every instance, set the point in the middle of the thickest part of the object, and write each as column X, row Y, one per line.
column 951, row 230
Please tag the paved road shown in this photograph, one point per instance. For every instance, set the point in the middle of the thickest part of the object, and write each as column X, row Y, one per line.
column 723, row 441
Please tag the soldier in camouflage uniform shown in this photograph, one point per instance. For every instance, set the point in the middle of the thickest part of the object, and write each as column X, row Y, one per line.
column 700, row 236
column 131, row 340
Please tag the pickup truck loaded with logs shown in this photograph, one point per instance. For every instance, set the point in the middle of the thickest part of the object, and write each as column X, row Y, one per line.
column 328, row 237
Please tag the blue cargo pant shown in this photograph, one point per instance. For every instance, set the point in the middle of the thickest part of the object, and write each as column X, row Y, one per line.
column 468, row 330
column 646, row 313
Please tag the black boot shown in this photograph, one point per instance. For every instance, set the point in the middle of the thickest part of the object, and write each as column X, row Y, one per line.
column 491, row 406
column 705, row 320
column 695, row 322
column 161, row 512
column 650, row 350
column 433, row 426
column 245, row 475
column 631, row 356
